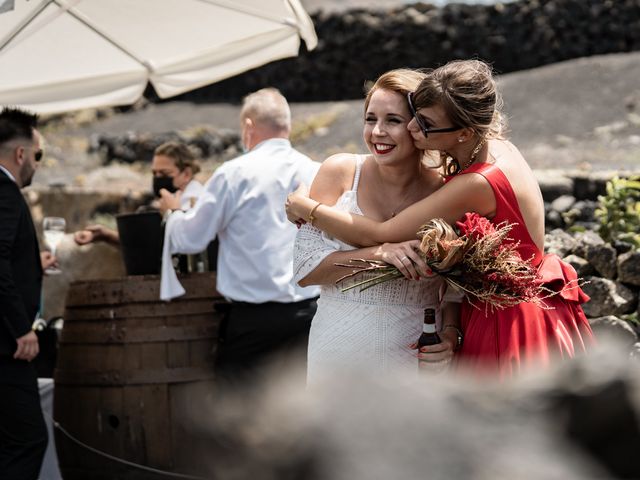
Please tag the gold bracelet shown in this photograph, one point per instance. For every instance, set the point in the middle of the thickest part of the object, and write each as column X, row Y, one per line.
column 311, row 218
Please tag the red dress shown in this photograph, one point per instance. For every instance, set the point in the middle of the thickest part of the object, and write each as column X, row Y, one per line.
column 525, row 335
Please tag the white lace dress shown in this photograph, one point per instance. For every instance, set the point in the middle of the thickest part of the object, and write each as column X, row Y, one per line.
column 371, row 329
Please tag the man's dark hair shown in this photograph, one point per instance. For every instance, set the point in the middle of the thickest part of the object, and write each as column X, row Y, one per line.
column 16, row 123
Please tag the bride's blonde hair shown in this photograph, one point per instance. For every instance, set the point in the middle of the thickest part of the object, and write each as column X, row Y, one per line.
column 400, row 80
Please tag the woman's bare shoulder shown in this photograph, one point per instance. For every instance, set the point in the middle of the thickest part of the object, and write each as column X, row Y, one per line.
column 510, row 161
column 340, row 166
column 341, row 162
column 335, row 175
column 503, row 149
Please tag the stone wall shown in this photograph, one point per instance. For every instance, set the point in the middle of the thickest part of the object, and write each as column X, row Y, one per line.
column 81, row 206
column 611, row 272
column 206, row 142
column 359, row 45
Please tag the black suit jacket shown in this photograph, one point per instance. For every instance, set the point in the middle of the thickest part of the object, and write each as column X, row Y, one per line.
column 20, row 267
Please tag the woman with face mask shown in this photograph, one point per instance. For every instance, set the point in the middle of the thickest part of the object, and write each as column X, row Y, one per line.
column 173, row 168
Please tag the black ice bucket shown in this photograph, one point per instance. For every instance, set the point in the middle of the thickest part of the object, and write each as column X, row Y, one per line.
column 141, row 241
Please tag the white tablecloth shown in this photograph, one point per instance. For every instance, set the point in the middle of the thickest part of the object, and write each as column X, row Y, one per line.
column 49, row 470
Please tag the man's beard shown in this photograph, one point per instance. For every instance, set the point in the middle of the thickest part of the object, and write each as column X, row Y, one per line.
column 26, row 174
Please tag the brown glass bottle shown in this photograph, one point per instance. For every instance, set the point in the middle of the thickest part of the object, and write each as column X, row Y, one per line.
column 429, row 334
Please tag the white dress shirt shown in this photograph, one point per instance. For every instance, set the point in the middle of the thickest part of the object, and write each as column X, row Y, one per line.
column 243, row 205
column 8, row 173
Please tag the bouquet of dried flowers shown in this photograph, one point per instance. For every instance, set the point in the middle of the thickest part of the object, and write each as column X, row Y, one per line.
column 476, row 259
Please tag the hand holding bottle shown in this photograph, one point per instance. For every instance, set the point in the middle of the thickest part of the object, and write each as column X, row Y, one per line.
column 439, row 352
column 435, row 350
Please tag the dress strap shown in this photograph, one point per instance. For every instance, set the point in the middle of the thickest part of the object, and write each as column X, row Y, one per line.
column 507, row 208
column 356, row 177
column 505, row 196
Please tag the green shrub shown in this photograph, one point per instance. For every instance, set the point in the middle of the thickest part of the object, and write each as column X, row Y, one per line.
column 619, row 211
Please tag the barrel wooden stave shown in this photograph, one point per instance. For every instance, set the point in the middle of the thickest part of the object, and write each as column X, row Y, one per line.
column 125, row 395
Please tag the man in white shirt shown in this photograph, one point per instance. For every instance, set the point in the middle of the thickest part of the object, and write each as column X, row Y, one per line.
column 242, row 204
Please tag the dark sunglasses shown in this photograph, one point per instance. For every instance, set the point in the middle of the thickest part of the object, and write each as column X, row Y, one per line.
column 37, row 154
column 426, row 130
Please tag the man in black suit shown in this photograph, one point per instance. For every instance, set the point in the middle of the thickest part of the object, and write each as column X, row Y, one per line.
column 23, row 433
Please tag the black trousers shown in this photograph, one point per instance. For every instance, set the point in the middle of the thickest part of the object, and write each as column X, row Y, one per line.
column 23, row 432
column 253, row 335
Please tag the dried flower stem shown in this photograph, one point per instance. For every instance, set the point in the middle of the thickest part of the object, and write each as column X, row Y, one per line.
column 483, row 263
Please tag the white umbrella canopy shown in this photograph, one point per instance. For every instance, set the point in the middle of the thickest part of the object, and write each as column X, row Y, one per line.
column 63, row 55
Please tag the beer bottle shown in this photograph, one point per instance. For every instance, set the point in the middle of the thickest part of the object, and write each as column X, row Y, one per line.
column 429, row 335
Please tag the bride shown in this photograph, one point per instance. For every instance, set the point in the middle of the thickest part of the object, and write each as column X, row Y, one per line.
column 375, row 328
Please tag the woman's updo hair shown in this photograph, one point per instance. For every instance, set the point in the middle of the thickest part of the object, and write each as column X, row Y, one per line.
column 400, row 80
column 467, row 91
column 181, row 155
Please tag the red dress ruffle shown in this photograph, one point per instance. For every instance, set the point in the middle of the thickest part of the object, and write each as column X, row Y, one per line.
column 525, row 335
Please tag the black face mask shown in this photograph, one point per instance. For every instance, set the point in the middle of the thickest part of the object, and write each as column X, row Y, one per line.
column 163, row 182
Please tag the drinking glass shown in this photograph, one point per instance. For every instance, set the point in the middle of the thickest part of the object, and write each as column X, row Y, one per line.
column 53, row 230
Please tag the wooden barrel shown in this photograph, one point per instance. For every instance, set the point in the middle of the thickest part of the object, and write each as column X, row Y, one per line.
column 132, row 376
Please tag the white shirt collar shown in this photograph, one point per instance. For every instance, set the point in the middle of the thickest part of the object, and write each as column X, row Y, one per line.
column 8, row 173
column 272, row 141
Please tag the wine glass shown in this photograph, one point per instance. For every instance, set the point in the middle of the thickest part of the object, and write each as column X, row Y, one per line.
column 53, row 229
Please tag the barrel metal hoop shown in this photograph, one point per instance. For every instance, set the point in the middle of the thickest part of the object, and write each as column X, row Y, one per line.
column 135, row 289
column 138, row 310
column 111, row 333
column 133, row 377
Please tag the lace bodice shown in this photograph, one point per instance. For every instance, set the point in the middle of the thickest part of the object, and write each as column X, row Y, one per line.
column 313, row 245
column 371, row 329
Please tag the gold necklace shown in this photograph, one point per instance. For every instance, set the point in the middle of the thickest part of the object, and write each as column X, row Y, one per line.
column 454, row 167
column 406, row 195
column 474, row 154
column 404, row 199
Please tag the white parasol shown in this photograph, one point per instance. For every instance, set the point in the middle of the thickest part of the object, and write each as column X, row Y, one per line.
column 61, row 55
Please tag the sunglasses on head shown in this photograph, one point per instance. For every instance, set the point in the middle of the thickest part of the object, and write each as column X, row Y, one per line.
column 425, row 129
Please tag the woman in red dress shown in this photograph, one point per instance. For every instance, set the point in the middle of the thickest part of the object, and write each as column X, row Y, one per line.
column 456, row 111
